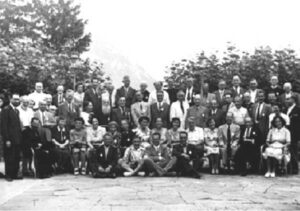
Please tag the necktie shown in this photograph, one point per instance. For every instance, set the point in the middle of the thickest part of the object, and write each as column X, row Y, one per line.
column 181, row 106
column 60, row 99
column 258, row 112
column 16, row 111
column 126, row 92
column 228, row 146
column 141, row 107
column 122, row 111
column 43, row 118
column 70, row 107
column 61, row 136
column 248, row 132
column 159, row 106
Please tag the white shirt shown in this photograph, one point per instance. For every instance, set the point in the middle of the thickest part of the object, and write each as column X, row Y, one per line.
column 95, row 135
column 37, row 97
column 284, row 116
column 239, row 115
column 253, row 95
column 25, row 116
column 290, row 109
column 153, row 98
column 175, row 111
column 196, row 136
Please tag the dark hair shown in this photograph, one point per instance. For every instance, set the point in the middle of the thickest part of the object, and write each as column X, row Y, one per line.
column 183, row 132
column 158, row 118
column 209, row 121
column 85, row 104
column 156, row 134
column 79, row 119
column 34, row 118
column 79, row 84
column 280, row 118
column 175, row 119
column 143, row 118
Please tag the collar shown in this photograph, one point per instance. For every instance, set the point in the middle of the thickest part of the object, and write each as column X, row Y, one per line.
column 274, row 87
column 63, row 129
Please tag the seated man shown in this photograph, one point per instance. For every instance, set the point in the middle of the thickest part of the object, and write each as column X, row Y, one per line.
column 157, row 158
column 36, row 137
column 132, row 162
column 249, row 151
column 95, row 135
column 104, row 161
column 185, row 155
column 78, row 146
column 61, row 151
column 229, row 136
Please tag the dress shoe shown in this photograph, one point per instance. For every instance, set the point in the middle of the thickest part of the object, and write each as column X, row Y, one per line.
column 197, row 176
column 244, row 173
column 18, row 177
column 8, row 179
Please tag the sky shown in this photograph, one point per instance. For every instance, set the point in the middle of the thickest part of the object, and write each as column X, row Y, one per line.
column 154, row 33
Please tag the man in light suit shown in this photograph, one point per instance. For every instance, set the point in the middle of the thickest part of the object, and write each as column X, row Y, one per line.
column 157, row 158
column 197, row 111
column 220, row 93
column 12, row 138
column 127, row 92
column 44, row 116
column 260, row 115
column 69, row 110
column 229, row 136
column 179, row 109
column 160, row 110
column 140, row 108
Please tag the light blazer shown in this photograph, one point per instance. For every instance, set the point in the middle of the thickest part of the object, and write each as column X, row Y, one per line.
column 235, row 134
column 136, row 111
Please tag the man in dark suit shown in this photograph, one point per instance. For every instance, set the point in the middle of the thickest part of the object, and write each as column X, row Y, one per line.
column 236, row 89
column 127, row 92
column 104, row 160
column 216, row 113
column 121, row 112
column 274, row 87
column 157, row 159
column 185, row 154
column 247, row 102
column 249, row 150
column 220, row 93
column 59, row 98
column 172, row 91
column 92, row 95
column 144, row 91
column 293, row 111
column 12, row 138
column 160, row 109
column 69, row 110
column 190, row 91
column 260, row 115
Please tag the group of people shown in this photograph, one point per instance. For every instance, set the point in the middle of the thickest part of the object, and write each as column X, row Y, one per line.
column 106, row 132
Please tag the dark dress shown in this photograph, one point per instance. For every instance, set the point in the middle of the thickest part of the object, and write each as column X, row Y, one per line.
column 126, row 140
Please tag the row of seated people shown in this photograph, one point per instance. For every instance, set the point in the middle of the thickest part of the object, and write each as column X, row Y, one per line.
column 109, row 153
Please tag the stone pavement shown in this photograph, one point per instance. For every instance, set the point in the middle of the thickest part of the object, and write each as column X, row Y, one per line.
column 67, row 192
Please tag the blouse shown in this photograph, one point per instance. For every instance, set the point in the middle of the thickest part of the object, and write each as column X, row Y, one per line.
column 279, row 136
column 162, row 132
column 211, row 137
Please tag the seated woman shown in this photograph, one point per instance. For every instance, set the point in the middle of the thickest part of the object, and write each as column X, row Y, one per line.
column 87, row 113
column 173, row 136
column 116, row 135
column 132, row 162
column 211, row 145
column 78, row 146
column 62, row 154
column 126, row 136
column 158, row 128
column 278, row 139
column 94, row 135
column 143, row 131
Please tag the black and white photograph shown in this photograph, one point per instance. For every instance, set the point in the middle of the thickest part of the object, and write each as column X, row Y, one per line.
column 139, row 105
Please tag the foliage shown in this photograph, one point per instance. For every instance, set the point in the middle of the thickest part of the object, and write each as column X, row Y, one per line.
column 261, row 65
column 43, row 41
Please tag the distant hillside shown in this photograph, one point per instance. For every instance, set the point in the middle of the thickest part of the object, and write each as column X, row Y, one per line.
column 117, row 65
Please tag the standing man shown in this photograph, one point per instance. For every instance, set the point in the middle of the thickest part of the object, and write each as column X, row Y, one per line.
column 139, row 109
column 144, row 91
column 237, row 90
column 206, row 96
column 127, row 92
column 153, row 95
column 172, row 91
column 260, row 115
column 190, row 91
column 288, row 93
column 121, row 112
column 220, row 93
column 274, row 88
column 69, row 110
column 38, row 95
column 59, row 98
column 12, row 137
column 160, row 110
column 198, row 112
column 179, row 109
column 253, row 90
column 239, row 112
column 42, row 114
column 25, row 113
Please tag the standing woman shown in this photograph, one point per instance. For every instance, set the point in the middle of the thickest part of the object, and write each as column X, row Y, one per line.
column 211, row 141
column 79, row 96
column 278, row 140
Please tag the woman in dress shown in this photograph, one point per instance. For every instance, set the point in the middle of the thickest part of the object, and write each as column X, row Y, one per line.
column 173, row 132
column 79, row 96
column 87, row 114
column 143, row 131
column 158, row 128
column 278, row 139
column 211, row 142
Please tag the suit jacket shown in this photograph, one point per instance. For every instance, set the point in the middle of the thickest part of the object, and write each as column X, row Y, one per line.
column 110, row 160
column 200, row 114
column 130, row 98
column 55, row 100
column 137, row 111
column 219, row 116
column 154, row 155
column 117, row 115
column 163, row 113
column 249, row 107
column 294, row 124
column 146, row 94
column 91, row 96
column 235, row 94
column 60, row 136
column 278, row 91
column 206, row 100
column 172, row 95
column 70, row 116
column 235, row 134
column 254, row 134
column 194, row 92
column 282, row 98
column 49, row 118
column 178, row 149
column 33, row 137
column 11, row 126
column 263, row 121
column 220, row 99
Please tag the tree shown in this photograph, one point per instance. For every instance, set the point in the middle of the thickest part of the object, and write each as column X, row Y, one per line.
column 43, row 41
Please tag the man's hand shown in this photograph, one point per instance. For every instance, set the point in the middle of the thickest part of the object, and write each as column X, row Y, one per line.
column 8, row 144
